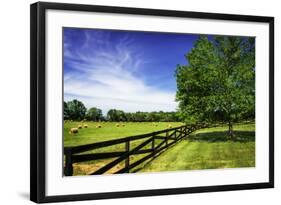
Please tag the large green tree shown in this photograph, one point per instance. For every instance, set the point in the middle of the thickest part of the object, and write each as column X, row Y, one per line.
column 218, row 83
column 76, row 110
column 94, row 114
column 116, row 115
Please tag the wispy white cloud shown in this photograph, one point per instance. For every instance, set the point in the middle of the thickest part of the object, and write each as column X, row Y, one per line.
column 105, row 75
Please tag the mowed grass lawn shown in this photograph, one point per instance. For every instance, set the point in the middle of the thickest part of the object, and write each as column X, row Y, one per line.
column 209, row 149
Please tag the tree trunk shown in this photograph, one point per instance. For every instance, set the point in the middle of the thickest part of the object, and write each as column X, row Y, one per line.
column 230, row 130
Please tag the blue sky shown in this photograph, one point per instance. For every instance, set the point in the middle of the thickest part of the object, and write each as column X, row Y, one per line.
column 127, row 70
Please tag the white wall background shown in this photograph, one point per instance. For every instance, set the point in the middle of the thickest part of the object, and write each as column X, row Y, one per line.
column 14, row 103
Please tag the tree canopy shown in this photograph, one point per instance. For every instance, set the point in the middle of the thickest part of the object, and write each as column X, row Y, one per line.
column 218, row 82
column 94, row 114
column 116, row 115
column 74, row 110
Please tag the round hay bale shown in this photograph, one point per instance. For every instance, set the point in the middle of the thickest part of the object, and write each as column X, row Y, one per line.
column 73, row 130
column 98, row 126
column 79, row 126
column 85, row 126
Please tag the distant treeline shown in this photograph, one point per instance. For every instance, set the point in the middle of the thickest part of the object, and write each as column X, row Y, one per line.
column 75, row 110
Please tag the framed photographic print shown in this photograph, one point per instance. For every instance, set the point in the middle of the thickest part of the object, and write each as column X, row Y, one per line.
column 129, row 102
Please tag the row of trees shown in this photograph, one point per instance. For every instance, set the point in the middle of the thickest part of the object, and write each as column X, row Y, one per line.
column 218, row 82
column 75, row 110
column 119, row 115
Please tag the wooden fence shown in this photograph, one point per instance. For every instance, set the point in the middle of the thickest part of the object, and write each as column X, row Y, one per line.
column 165, row 139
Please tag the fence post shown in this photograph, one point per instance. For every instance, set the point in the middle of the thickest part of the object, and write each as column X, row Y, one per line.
column 166, row 139
column 153, row 144
column 180, row 135
column 68, row 169
column 187, row 132
column 127, row 160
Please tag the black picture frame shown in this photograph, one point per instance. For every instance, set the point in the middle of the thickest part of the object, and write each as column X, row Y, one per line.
column 38, row 101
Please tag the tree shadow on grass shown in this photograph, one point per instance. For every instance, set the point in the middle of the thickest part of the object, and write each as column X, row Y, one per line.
column 216, row 136
column 135, row 170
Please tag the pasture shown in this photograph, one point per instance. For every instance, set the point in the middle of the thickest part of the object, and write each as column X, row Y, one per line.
column 209, row 149
column 103, row 131
column 204, row 149
column 109, row 131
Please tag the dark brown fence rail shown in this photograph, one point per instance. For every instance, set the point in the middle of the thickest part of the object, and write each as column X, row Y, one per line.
column 171, row 136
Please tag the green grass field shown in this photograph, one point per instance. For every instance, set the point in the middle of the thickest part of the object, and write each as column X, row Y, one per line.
column 205, row 149
column 209, row 149
column 109, row 131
